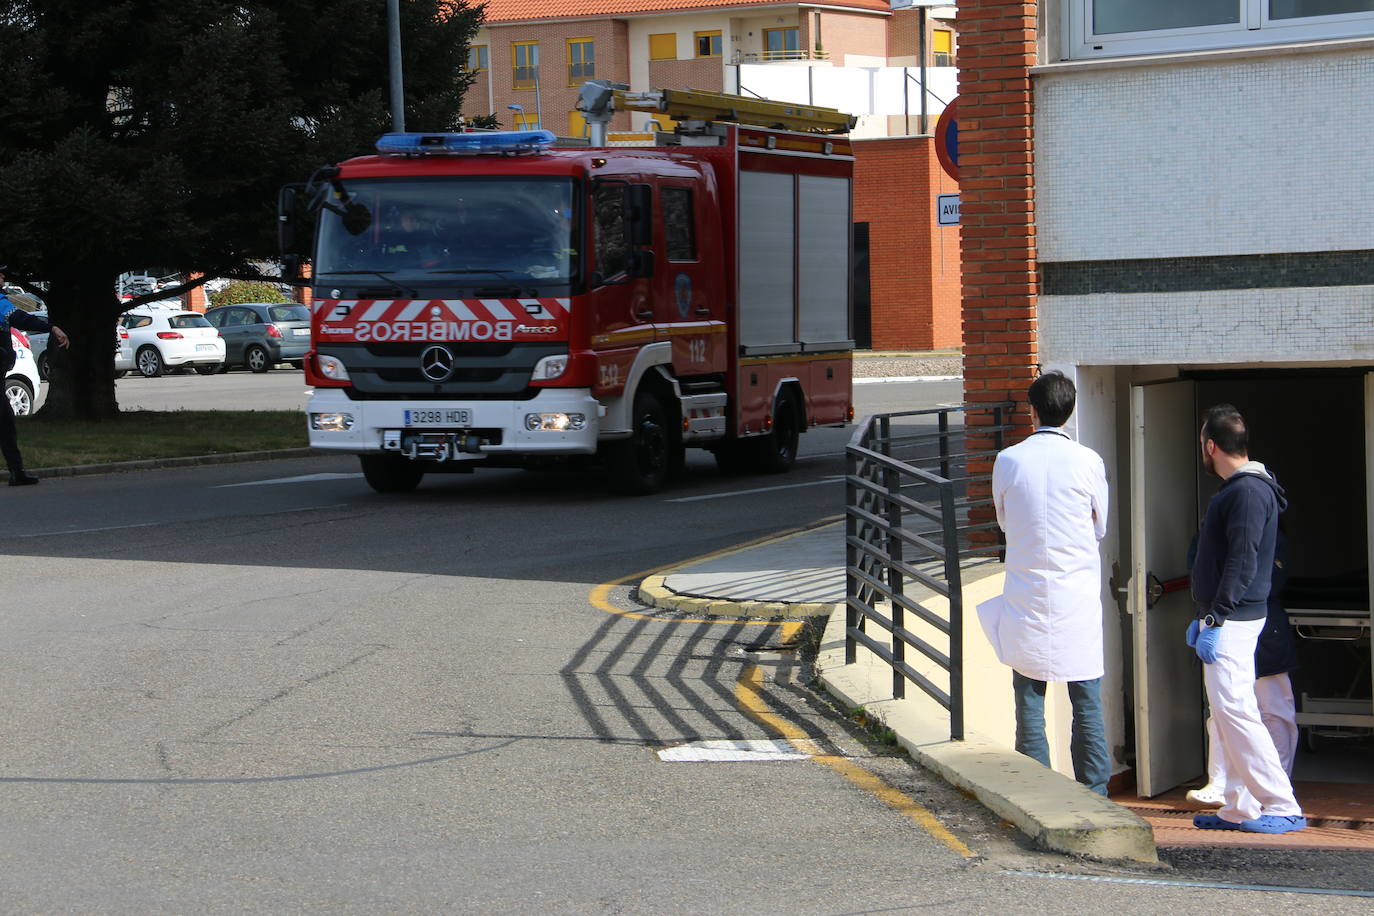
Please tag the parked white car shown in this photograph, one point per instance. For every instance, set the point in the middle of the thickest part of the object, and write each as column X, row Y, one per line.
column 166, row 338
column 21, row 385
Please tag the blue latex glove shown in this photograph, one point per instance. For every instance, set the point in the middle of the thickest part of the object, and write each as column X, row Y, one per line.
column 1191, row 638
column 1206, row 646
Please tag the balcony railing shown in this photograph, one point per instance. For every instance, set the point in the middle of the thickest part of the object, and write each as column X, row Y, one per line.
column 766, row 57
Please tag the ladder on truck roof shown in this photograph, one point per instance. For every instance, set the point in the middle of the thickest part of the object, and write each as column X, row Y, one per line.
column 601, row 99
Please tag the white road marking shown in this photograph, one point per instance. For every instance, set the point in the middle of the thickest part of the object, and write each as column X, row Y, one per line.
column 45, row 534
column 907, row 378
column 304, row 478
column 789, row 486
column 719, row 751
column 49, row 534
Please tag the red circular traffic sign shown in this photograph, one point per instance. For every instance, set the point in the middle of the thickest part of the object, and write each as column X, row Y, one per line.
column 947, row 139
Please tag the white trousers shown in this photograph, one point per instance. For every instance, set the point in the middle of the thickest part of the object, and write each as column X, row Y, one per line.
column 1256, row 783
column 1278, row 712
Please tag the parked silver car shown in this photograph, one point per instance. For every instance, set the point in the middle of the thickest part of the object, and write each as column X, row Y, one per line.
column 259, row 335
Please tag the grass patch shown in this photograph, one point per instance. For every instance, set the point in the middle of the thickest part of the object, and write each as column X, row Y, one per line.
column 142, row 434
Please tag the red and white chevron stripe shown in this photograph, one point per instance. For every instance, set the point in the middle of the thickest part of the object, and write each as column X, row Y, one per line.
column 428, row 320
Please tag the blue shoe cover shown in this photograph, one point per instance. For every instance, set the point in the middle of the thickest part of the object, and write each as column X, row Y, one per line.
column 1274, row 823
column 1215, row 822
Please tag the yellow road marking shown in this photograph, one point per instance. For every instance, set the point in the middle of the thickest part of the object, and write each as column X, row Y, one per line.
column 749, row 697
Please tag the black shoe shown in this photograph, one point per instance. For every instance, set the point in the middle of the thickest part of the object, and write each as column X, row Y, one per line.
column 22, row 480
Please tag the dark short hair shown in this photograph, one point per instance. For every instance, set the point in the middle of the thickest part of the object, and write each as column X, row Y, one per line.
column 1053, row 396
column 1224, row 425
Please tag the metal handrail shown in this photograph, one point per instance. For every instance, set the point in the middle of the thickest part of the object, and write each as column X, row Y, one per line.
column 888, row 544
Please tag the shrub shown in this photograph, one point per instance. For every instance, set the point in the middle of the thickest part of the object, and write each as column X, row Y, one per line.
column 246, row 291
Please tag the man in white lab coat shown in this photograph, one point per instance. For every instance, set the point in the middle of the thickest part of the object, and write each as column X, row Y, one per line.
column 1051, row 499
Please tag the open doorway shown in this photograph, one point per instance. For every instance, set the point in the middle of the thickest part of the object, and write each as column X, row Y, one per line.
column 1310, row 429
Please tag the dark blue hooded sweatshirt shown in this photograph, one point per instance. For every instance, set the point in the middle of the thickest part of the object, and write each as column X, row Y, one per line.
column 1235, row 552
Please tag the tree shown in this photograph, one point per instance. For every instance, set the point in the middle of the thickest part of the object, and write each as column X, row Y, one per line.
column 158, row 132
column 246, row 291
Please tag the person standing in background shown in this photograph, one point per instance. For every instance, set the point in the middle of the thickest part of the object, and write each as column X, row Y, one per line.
column 12, row 316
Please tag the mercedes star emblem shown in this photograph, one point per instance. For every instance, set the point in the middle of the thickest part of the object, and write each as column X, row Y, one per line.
column 436, row 363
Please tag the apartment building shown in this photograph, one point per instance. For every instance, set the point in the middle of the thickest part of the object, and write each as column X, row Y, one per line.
column 1171, row 203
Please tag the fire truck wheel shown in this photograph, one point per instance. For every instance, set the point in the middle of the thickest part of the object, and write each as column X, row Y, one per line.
column 640, row 464
column 778, row 449
column 391, row 473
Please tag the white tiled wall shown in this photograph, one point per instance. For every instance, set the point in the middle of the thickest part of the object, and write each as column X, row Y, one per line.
column 1298, row 325
column 1256, row 155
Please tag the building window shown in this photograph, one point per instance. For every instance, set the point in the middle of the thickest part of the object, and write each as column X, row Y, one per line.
column 527, row 120
column 679, row 224
column 708, row 44
column 478, row 59
column 942, row 48
column 782, row 44
column 1110, row 28
column 663, row 47
column 525, row 63
column 581, row 60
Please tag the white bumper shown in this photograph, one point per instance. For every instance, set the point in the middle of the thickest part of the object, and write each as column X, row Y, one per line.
column 377, row 424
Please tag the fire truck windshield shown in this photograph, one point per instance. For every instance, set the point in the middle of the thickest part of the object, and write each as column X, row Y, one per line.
column 438, row 231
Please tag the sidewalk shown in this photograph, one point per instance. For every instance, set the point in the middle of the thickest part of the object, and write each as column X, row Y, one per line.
column 802, row 575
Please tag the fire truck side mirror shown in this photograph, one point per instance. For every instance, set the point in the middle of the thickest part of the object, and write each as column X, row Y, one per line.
column 287, row 202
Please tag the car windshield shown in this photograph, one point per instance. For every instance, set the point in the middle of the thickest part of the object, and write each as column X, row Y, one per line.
column 432, row 231
column 288, row 313
column 188, row 321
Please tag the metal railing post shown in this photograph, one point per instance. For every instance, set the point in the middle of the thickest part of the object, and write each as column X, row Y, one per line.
column 944, row 444
column 892, row 481
column 851, row 555
column 954, row 579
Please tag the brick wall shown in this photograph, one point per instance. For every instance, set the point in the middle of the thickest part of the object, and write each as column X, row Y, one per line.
column 687, row 73
column 996, row 181
column 913, row 263
column 903, row 35
column 556, row 97
column 850, row 33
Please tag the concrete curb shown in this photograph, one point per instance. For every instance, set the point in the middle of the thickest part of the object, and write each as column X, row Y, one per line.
column 85, row 470
column 654, row 592
column 1056, row 812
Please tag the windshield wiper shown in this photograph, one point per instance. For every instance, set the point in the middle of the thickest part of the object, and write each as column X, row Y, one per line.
column 371, row 273
column 499, row 271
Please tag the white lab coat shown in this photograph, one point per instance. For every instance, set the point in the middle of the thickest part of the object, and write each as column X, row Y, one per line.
column 1051, row 499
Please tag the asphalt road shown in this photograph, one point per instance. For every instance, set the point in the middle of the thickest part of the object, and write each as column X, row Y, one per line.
column 262, row 687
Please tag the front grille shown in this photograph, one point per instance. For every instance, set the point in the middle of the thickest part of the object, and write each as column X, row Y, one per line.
column 484, row 371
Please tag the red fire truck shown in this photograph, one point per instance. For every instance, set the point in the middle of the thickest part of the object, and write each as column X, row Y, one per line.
column 487, row 299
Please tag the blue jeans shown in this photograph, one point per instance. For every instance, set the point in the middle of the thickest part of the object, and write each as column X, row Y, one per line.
column 1092, row 765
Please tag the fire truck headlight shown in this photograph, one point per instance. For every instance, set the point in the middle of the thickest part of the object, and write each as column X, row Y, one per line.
column 550, row 367
column 331, row 422
column 555, row 422
column 331, row 367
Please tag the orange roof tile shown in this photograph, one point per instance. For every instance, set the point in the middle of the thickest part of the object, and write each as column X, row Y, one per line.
column 503, row 11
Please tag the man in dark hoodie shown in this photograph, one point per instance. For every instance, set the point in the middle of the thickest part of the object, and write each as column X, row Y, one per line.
column 1231, row 583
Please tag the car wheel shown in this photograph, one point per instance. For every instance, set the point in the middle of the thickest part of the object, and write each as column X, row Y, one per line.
column 256, row 359
column 778, row 449
column 20, row 395
column 43, row 372
column 207, row 370
column 391, row 473
column 149, row 362
column 641, row 464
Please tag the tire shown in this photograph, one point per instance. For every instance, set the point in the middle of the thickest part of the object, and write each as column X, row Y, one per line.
column 641, row 464
column 149, row 362
column 778, row 450
column 208, row 370
column 20, row 395
column 255, row 359
column 44, row 370
column 391, row 473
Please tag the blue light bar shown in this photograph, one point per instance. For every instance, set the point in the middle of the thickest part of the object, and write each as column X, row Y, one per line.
column 465, row 144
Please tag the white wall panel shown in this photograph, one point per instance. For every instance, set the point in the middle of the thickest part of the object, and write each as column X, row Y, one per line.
column 1261, row 154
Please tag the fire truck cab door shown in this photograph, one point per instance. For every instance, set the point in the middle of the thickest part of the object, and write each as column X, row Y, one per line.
column 689, row 308
column 622, row 296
